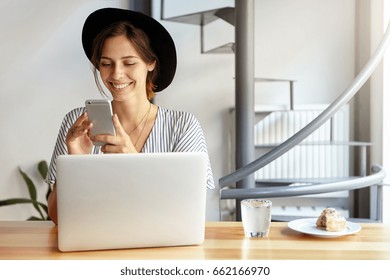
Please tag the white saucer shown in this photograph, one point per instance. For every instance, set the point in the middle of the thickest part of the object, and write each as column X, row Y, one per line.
column 308, row 226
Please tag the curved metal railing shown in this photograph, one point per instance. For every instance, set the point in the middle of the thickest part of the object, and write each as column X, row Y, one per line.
column 297, row 138
column 270, row 192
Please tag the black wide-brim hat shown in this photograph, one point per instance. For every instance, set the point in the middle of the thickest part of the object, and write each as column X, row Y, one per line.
column 160, row 40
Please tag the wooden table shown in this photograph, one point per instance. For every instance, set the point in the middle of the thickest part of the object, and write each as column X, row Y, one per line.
column 224, row 241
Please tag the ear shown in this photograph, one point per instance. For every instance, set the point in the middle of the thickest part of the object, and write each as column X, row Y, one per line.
column 151, row 66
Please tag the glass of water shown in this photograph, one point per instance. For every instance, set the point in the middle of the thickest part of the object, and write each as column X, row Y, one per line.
column 256, row 217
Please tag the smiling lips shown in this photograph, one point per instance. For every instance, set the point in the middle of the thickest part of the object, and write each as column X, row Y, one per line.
column 120, row 86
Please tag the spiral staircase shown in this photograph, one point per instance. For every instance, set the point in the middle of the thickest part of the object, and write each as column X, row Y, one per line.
column 240, row 184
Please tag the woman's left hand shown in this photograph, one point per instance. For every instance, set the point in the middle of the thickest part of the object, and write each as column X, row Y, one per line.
column 120, row 143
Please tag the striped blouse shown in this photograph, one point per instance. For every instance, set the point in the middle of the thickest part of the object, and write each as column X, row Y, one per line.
column 173, row 131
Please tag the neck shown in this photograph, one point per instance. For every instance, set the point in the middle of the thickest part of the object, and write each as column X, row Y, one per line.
column 131, row 113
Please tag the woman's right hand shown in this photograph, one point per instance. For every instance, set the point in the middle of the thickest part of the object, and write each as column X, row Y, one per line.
column 77, row 139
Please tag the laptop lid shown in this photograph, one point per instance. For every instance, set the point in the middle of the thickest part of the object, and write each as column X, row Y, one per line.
column 116, row 201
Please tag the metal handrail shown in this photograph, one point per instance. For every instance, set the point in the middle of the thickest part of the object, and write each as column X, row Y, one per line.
column 297, row 138
column 296, row 190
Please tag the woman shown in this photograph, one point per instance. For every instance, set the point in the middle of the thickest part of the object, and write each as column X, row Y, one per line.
column 135, row 57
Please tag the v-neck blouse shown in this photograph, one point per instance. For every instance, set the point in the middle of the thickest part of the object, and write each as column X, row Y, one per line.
column 173, row 131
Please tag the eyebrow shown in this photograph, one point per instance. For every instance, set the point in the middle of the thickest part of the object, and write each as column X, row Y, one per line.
column 124, row 57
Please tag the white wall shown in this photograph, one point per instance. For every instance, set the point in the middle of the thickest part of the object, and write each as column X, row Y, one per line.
column 308, row 41
column 386, row 118
column 44, row 72
column 380, row 100
column 371, row 103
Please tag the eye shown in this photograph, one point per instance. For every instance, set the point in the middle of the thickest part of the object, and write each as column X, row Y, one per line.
column 129, row 63
column 105, row 64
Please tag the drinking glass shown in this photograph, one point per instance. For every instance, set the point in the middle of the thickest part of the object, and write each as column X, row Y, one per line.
column 256, row 217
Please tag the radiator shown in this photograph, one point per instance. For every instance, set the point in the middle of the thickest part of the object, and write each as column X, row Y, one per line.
column 316, row 156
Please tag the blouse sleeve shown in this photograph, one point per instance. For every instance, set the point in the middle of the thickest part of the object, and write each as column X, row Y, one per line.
column 60, row 146
column 190, row 138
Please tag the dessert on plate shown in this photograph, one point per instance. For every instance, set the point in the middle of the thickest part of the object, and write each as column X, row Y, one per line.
column 331, row 220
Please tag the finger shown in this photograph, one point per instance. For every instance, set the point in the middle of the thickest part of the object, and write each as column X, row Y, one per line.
column 81, row 119
column 112, row 149
column 105, row 138
column 86, row 126
column 75, row 132
column 107, row 149
column 80, row 126
column 117, row 125
column 116, row 149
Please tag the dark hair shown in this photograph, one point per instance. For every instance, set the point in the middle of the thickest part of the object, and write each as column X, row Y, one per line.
column 141, row 43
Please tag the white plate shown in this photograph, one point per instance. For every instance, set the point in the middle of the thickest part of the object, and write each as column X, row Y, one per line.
column 308, row 226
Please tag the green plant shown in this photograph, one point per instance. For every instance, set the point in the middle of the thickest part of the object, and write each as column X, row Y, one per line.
column 40, row 207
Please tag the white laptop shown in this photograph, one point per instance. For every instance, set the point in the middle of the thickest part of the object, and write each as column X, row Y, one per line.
column 130, row 200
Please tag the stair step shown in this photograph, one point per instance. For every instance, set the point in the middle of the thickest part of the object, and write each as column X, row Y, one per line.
column 274, row 80
column 206, row 17
column 299, row 181
column 227, row 48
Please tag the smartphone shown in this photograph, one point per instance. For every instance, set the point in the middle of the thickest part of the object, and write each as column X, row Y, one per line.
column 100, row 114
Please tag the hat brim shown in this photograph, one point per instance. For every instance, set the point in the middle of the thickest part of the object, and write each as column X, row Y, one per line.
column 160, row 40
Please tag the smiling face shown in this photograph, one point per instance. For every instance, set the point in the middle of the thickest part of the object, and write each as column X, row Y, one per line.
column 121, row 49
column 122, row 70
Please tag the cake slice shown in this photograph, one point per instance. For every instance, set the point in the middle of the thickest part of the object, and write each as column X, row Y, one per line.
column 331, row 220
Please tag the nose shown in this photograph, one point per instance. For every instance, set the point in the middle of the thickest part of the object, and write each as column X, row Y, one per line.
column 117, row 72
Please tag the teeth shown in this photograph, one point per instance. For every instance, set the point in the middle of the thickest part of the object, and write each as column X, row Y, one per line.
column 120, row 86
